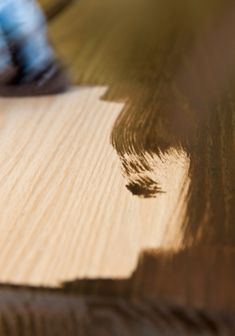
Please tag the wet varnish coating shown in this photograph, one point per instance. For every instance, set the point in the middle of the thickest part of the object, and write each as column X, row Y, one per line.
column 173, row 65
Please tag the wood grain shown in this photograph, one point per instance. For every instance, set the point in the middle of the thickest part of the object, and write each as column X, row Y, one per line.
column 60, row 184
column 119, row 195
column 52, row 8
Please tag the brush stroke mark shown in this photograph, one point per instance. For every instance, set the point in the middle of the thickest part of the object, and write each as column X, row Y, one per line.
column 188, row 85
column 173, row 65
column 145, row 132
column 189, row 108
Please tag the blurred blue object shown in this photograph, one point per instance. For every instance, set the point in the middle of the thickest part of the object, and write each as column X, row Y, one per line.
column 23, row 29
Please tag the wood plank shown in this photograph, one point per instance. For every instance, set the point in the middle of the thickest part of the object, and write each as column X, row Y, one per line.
column 63, row 198
column 60, row 186
column 136, row 162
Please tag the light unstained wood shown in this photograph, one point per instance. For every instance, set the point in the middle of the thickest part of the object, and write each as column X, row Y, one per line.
column 65, row 211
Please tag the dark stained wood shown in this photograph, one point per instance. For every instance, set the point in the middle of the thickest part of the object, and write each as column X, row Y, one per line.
column 53, row 8
column 174, row 65
column 167, row 295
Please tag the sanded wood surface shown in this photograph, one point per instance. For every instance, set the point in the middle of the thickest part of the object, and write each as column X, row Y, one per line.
column 124, row 187
column 65, row 210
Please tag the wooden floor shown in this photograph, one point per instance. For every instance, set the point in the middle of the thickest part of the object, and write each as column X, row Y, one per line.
column 66, row 211
column 130, row 176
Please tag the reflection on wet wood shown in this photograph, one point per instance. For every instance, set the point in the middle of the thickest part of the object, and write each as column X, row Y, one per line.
column 171, row 65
